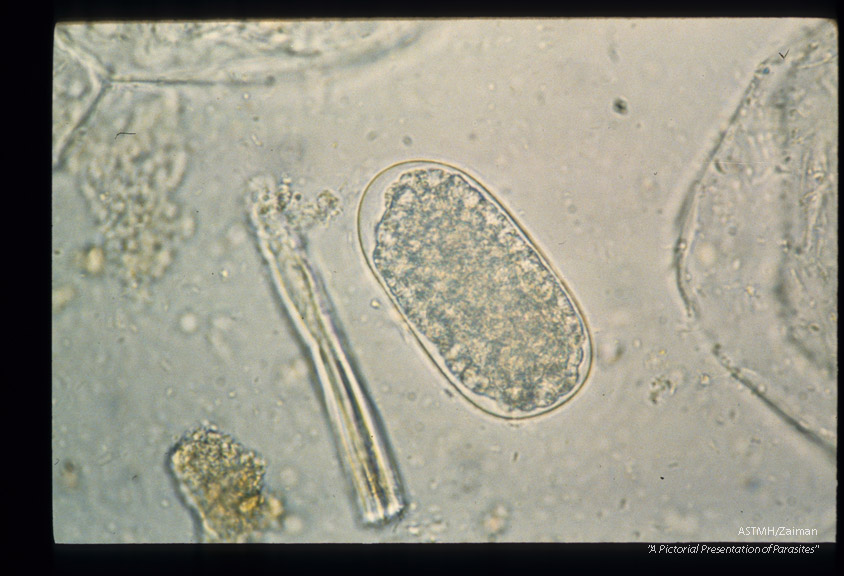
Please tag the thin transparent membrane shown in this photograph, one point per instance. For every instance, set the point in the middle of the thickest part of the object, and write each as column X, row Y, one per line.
column 360, row 436
column 757, row 255
column 476, row 291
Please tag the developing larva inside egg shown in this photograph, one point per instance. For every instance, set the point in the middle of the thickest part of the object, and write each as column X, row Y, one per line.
column 475, row 290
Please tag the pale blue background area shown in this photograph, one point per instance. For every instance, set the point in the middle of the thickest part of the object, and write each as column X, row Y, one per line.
column 528, row 107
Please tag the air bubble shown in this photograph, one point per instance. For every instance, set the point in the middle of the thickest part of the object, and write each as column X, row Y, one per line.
column 189, row 323
column 62, row 296
column 496, row 521
column 478, row 294
column 94, row 261
column 293, row 525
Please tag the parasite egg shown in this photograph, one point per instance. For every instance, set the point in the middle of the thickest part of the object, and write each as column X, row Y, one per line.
column 474, row 289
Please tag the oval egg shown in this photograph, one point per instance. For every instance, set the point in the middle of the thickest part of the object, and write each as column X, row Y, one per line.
column 473, row 287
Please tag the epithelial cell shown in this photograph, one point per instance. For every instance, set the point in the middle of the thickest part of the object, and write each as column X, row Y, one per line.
column 757, row 257
column 808, row 274
column 475, row 290
column 226, row 52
